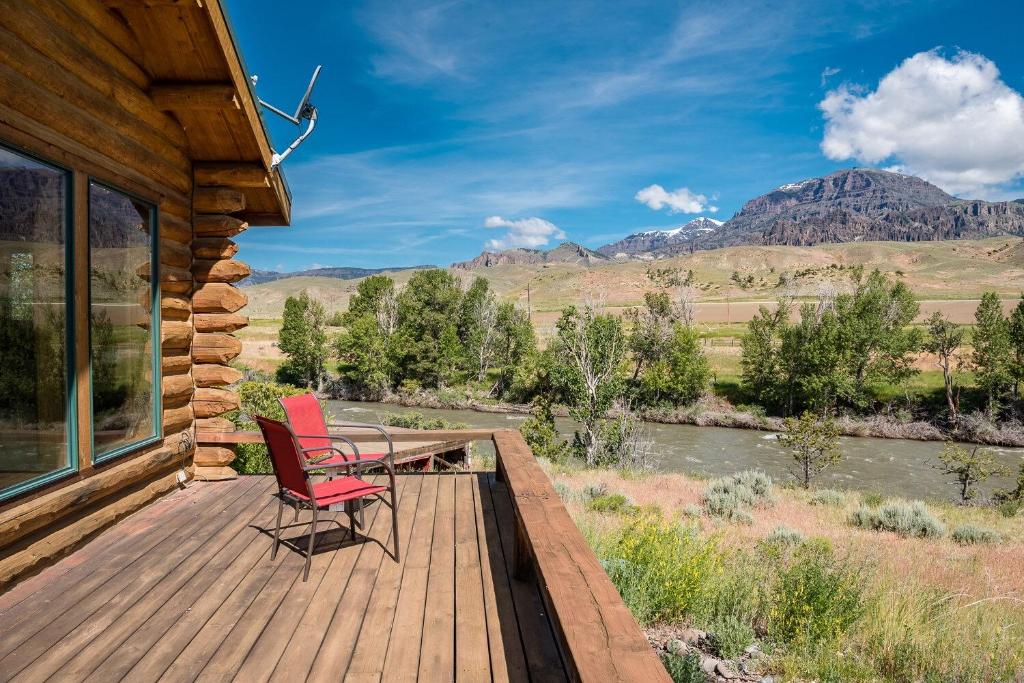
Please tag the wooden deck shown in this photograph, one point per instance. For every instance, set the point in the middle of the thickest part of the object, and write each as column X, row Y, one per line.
column 186, row 590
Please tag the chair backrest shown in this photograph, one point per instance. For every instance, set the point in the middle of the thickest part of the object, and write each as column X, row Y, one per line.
column 305, row 417
column 284, row 455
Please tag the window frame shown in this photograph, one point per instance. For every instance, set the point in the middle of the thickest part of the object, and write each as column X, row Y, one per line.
column 71, row 416
column 156, row 370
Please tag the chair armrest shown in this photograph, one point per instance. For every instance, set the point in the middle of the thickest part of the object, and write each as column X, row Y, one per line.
column 358, row 464
column 376, row 427
column 317, row 459
column 325, row 448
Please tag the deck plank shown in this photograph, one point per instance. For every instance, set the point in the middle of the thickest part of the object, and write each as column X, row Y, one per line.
column 371, row 646
column 103, row 605
column 539, row 645
column 79, row 574
column 109, row 654
column 437, row 648
column 336, row 649
column 286, row 592
column 504, row 642
column 472, row 656
column 401, row 663
column 189, row 592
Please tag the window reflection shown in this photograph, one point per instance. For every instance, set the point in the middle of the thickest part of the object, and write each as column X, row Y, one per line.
column 33, row 326
column 120, row 250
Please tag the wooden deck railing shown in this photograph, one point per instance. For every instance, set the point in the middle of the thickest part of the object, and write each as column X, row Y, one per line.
column 599, row 640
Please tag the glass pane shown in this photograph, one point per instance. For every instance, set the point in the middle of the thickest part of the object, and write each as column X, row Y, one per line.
column 120, row 248
column 33, row 363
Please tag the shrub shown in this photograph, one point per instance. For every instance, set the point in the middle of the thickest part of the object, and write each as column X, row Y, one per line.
column 591, row 491
column 969, row 534
column 691, row 510
column 829, row 497
column 730, row 636
column 742, row 516
column 730, row 497
column 872, row 499
column 816, row 598
column 784, row 535
column 660, row 567
column 684, row 668
column 258, row 398
column 612, row 503
column 906, row 519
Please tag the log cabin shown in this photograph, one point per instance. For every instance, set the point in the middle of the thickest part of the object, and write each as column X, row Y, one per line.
column 132, row 151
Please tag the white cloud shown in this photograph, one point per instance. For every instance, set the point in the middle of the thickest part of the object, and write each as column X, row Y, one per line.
column 677, row 201
column 827, row 73
column 530, row 233
column 949, row 120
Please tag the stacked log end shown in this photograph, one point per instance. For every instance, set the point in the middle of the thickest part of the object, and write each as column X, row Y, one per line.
column 215, row 303
column 176, row 326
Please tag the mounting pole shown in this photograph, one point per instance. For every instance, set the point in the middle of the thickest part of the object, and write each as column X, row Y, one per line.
column 306, row 111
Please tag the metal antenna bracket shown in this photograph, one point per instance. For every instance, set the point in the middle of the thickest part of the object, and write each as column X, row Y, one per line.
column 306, row 111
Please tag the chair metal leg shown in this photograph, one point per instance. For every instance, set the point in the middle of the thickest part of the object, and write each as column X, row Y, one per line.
column 362, row 514
column 394, row 521
column 309, row 550
column 277, row 529
column 296, row 513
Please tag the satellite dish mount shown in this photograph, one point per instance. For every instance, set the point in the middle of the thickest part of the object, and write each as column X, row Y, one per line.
column 306, row 111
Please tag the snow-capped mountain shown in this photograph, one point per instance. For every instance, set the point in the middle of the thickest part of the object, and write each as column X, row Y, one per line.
column 653, row 240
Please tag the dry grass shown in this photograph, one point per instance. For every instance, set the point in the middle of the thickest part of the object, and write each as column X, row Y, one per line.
column 980, row 572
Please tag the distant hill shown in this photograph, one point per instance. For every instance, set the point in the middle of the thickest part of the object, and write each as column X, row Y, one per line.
column 259, row 277
column 567, row 252
column 852, row 205
column 655, row 240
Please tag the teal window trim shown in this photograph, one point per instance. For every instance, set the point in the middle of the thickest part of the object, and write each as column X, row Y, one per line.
column 155, row 359
column 71, row 383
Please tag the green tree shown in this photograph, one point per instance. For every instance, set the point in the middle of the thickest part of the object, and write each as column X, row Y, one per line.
column 478, row 320
column 515, row 345
column 366, row 345
column 813, row 439
column 587, row 351
column 541, row 435
column 760, row 361
column 944, row 340
column 681, row 376
column 970, row 467
column 1016, row 324
column 428, row 312
column 992, row 357
column 876, row 334
column 652, row 330
column 303, row 339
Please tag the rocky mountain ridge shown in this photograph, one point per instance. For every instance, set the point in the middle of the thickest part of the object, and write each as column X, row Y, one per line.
column 567, row 252
column 655, row 240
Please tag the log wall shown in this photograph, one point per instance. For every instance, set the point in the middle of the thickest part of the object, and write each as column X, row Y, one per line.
column 215, row 303
column 74, row 93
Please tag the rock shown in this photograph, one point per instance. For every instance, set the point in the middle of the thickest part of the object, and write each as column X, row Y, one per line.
column 766, row 679
column 725, row 671
column 752, row 650
column 676, row 647
column 709, row 664
column 692, row 636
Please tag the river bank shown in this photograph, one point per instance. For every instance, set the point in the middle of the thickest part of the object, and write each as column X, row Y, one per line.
column 711, row 411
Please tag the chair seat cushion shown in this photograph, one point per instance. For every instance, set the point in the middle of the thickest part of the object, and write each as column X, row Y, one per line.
column 341, row 489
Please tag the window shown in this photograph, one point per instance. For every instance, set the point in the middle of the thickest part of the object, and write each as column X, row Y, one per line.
column 124, row 312
column 37, row 434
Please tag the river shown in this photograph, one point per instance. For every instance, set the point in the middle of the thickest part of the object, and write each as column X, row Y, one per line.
column 891, row 467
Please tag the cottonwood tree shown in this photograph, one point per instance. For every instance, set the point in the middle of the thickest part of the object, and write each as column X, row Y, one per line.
column 1016, row 325
column 303, row 339
column 813, row 439
column 944, row 340
column 366, row 346
column 680, row 376
column 969, row 466
column 429, row 350
column 760, row 361
column 587, row 352
column 992, row 357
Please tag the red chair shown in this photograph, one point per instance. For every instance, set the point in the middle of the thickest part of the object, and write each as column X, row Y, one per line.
column 292, row 470
column 306, row 419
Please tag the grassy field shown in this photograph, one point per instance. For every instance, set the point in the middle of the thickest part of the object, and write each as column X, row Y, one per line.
column 926, row 608
column 936, row 272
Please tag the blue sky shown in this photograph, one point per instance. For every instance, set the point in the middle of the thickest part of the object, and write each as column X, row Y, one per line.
column 449, row 126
